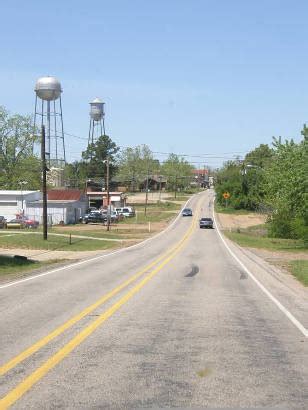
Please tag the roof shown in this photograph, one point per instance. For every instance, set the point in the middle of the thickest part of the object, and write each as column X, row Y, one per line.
column 104, row 193
column 54, row 201
column 64, row 194
column 16, row 192
column 200, row 171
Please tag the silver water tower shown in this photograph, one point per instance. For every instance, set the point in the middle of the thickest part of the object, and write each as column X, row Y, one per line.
column 48, row 112
column 97, row 120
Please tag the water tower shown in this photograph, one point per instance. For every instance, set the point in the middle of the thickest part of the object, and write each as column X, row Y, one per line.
column 97, row 120
column 48, row 112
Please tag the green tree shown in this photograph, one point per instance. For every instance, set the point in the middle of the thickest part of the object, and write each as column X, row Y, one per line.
column 287, row 189
column 76, row 174
column 177, row 171
column 96, row 154
column 260, row 157
column 231, row 178
column 245, row 180
column 135, row 164
column 17, row 162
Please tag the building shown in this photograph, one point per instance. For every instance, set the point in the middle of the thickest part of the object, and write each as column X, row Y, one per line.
column 64, row 206
column 154, row 183
column 98, row 199
column 15, row 202
column 201, row 178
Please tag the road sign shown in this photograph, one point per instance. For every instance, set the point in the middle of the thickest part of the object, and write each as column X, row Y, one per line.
column 226, row 195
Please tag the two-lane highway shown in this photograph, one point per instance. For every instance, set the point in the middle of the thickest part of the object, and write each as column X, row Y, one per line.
column 172, row 322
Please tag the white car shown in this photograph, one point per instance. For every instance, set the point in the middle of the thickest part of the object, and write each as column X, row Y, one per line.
column 126, row 211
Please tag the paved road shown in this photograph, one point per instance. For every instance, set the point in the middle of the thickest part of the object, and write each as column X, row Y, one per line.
column 174, row 322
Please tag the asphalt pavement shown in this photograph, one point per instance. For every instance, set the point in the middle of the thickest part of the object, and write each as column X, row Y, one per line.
column 175, row 321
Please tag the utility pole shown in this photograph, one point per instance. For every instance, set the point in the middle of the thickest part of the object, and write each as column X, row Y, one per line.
column 176, row 185
column 160, row 178
column 44, row 183
column 146, row 193
column 108, row 195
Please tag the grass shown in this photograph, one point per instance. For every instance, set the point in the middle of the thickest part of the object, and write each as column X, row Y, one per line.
column 250, row 239
column 229, row 210
column 299, row 269
column 9, row 265
column 78, row 230
column 34, row 241
column 181, row 197
column 157, row 212
column 115, row 232
column 158, row 206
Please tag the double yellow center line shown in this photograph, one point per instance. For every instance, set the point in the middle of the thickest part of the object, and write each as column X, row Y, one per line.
column 16, row 393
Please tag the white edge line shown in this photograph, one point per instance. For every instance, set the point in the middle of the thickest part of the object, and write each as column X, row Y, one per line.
column 289, row 315
column 17, row 282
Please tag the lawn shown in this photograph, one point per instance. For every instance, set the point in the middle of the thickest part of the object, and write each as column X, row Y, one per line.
column 299, row 269
column 35, row 241
column 250, row 239
column 158, row 212
column 116, row 232
column 9, row 265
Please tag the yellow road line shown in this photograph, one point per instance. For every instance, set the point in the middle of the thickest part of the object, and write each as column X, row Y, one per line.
column 71, row 322
column 16, row 393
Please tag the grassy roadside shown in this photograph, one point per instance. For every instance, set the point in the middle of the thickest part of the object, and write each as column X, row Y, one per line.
column 228, row 210
column 10, row 265
column 249, row 238
column 256, row 237
column 54, row 243
column 299, row 269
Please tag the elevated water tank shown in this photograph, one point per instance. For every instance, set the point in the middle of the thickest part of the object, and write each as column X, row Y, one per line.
column 48, row 88
column 97, row 109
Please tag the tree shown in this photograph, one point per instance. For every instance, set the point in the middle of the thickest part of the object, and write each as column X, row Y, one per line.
column 96, row 154
column 287, row 189
column 178, row 171
column 244, row 180
column 76, row 174
column 260, row 157
column 135, row 164
column 17, row 162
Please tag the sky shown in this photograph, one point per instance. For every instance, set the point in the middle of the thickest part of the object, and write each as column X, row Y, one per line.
column 208, row 79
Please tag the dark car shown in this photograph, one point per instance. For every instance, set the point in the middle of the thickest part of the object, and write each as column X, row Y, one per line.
column 2, row 222
column 187, row 212
column 206, row 223
column 94, row 217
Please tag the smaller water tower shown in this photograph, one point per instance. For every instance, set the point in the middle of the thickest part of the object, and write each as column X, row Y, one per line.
column 48, row 112
column 97, row 120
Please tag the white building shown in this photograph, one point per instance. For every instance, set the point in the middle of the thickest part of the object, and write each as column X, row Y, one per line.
column 15, row 202
column 63, row 206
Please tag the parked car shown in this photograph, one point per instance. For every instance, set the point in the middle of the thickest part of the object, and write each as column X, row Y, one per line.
column 16, row 224
column 2, row 222
column 94, row 217
column 206, row 223
column 187, row 212
column 114, row 216
column 30, row 223
column 126, row 211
